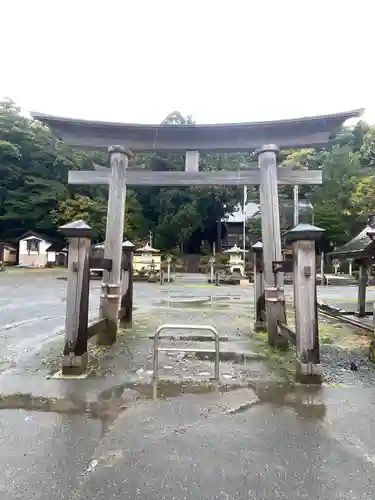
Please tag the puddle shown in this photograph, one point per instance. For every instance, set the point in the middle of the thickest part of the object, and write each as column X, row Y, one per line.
column 110, row 400
column 186, row 301
column 305, row 400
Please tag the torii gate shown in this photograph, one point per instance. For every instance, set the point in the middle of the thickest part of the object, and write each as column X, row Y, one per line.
column 266, row 137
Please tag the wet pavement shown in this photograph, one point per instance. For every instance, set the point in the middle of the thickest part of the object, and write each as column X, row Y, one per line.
column 277, row 446
column 259, row 436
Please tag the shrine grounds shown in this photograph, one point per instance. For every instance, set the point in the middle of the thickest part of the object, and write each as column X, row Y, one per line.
column 263, row 436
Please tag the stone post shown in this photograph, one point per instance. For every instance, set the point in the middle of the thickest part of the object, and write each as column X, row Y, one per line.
column 303, row 238
column 258, row 285
column 79, row 235
column 126, row 306
column 351, row 268
column 169, row 261
column 217, row 277
column 371, row 353
column 110, row 290
column 362, row 284
column 211, row 263
column 336, row 266
column 322, row 277
column 271, row 238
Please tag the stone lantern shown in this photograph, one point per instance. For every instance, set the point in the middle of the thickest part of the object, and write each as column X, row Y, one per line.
column 147, row 258
column 236, row 262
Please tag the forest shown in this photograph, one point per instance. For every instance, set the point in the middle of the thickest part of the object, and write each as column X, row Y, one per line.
column 35, row 195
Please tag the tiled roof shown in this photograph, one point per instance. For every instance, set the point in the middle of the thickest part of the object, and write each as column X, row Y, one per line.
column 237, row 216
column 359, row 245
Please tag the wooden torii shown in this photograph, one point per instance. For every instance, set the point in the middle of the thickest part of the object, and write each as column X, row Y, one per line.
column 266, row 137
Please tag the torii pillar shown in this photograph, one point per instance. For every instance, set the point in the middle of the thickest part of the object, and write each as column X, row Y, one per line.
column 110, row 296
column 269, row 206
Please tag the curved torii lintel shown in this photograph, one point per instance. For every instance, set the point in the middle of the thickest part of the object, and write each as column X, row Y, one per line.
column 291, row 133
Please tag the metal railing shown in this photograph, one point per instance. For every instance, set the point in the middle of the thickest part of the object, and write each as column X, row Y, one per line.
column 157, row 349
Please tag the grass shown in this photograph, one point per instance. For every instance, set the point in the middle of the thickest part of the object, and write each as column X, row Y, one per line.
column 284, row 361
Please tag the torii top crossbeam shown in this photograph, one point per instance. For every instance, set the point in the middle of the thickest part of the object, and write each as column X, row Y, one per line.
column 292, row 133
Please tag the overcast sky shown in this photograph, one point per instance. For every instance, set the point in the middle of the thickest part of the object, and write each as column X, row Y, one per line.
column 220, row 61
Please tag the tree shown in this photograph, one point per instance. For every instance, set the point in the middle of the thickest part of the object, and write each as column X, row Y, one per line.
column 367, row 151
column 33, row 164
column 92, row 211
column 337, row 229
column 363, row 196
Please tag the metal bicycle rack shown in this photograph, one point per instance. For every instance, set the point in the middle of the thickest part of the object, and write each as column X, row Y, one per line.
column 157, row 349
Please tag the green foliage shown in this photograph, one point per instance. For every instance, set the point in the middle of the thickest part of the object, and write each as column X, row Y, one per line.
column 335, row 223
column 92, row 211
column 255, row 225
column 367, row 150
column 346, row 191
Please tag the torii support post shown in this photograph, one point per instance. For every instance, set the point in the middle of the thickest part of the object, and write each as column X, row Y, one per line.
column 75, row 356
column 371, row 353
column 111, row 285
column 362, row 284
column 126, row 306
column 269, row 206
column 258, row 285
column 303, row 238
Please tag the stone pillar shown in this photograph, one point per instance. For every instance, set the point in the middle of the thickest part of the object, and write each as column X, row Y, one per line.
column 111, row 285
column 217, row 277
column 303, row 238
column 79, row 235
column 336, row 266
column 211, row 263
column 269, row 206
column 126, row 306
column 362, row 284
column 350, row 267
column 322, row 277
column 169, row 261
column 258, row 285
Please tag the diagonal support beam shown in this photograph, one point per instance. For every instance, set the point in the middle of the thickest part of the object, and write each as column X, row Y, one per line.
column 203, row 178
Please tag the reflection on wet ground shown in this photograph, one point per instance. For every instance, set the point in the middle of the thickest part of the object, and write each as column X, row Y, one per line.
column 305, row 401
column 181, row 301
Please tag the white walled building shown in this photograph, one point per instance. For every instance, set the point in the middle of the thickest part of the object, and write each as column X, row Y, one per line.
column 32, row 250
